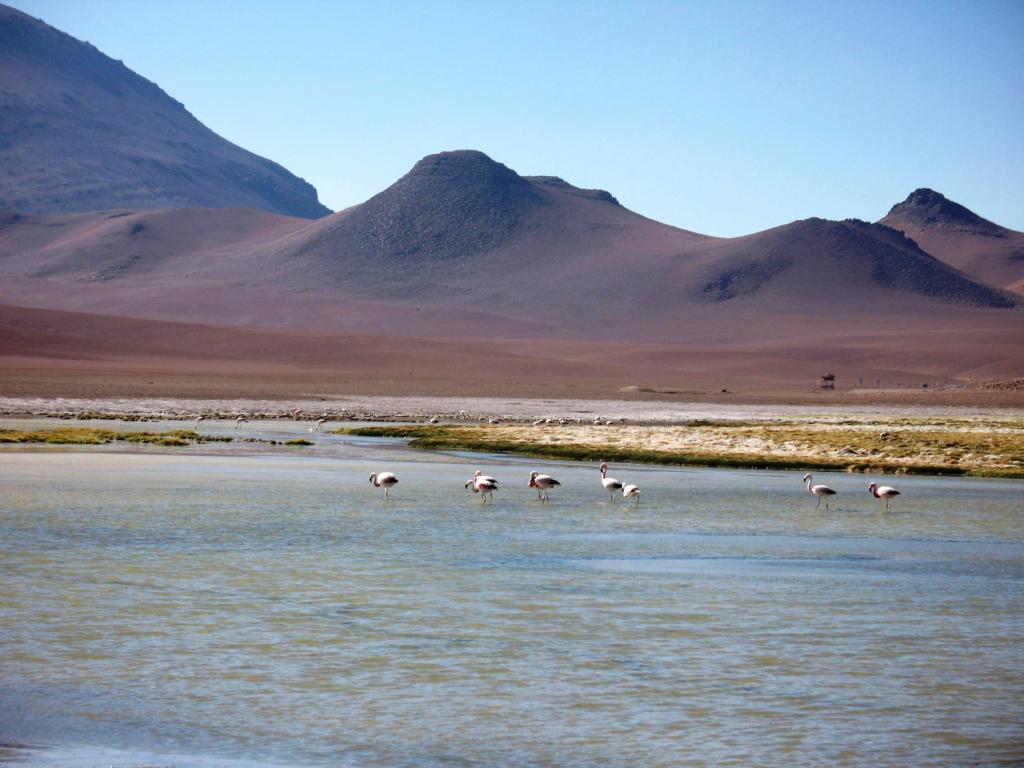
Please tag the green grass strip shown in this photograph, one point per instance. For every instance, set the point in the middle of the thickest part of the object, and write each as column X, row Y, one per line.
column 91, row 436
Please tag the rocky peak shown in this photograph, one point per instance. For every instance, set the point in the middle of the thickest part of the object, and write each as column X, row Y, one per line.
column 928, row 208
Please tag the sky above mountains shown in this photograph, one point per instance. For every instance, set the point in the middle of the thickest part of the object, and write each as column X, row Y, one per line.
column 725, row 118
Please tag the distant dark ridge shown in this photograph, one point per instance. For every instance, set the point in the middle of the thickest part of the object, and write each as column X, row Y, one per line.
column 926, row 207
column 450, row 205
column 80, row 131
column 885, row 255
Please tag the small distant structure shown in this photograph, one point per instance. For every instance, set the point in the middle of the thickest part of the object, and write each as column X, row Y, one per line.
column 828, row 381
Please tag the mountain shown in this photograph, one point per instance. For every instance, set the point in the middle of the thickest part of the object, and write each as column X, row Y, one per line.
column 464, row 246
column 518, row 276
column 462, row 228
column 961, row 238
column 80, row 131
column 843, row 263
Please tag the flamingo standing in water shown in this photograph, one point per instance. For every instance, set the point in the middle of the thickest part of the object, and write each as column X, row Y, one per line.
column 485, row 485
column 542, row 483
column 239, row 421
column 477, row 477
column 883, row 492
column 199, row 418
column 631, row 491
column 319, row 423
column 821, row 491
column 383, row 480
column 610, row 483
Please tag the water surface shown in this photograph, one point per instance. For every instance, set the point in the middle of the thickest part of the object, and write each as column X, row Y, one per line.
column 194, row 609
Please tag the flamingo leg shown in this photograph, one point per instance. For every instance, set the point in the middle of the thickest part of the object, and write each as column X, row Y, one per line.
column 819, row 503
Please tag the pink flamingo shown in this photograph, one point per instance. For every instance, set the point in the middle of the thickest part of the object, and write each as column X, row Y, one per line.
column 821, row 491
column 610, row 483
column 883, row 492
column 542, row 483
column 485, row 485
column 631, row 491
column 383, row 480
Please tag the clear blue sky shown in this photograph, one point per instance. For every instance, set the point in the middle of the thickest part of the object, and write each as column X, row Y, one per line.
column 721, row 117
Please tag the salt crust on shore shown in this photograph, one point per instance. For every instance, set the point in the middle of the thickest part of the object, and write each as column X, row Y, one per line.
column 369, row 408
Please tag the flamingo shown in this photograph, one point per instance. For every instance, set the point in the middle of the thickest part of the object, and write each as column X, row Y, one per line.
column 821, row 491
column 199, row 418
column 239, row 421
column 610, row 483
column 477, row 477
column 383, row 480
column 883, row 492
column 484, row 485
column 542, row 483
column 631, row 491
column 319, row 423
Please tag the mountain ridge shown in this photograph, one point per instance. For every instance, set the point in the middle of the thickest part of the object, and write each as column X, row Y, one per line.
column 80, row 131
column 961, row 238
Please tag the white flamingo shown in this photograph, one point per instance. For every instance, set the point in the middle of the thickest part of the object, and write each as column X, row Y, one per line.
column 542, row 483
column 383, row 480
column 610, row 483
column 239, row 421
column 631, row 491
column 883, row 492
column 821, row 491
column 319, row 423
column 485, row 485
column 199, row 418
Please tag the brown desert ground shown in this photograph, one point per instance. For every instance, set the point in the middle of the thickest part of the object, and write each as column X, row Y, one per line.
column 49, row 353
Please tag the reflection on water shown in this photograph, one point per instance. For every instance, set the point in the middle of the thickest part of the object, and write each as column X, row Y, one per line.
column 220, row 610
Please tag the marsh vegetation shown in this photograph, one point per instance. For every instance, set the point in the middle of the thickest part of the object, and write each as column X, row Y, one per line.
column 902, row 446
column 94, row 436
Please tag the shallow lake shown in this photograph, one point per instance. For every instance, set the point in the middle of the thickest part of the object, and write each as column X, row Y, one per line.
column 190, row 609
